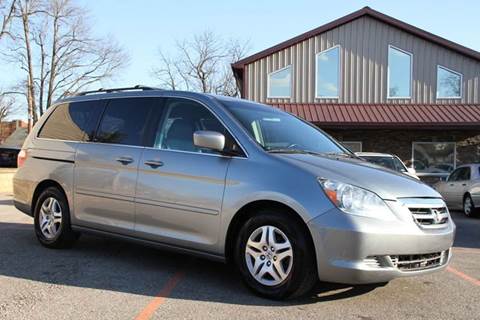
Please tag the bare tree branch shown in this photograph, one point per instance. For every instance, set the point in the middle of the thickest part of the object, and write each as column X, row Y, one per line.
column 52, row 44
column 201, row 63
column 7, row 11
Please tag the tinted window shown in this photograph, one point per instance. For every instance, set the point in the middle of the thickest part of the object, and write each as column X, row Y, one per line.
column 184, row 117
column 74, row 121
column 274, row 130
column 125, row 121
column 461, row 174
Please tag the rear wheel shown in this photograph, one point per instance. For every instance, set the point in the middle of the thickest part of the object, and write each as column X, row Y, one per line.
column 52, row 220
column 468, row 207
column 275, row 256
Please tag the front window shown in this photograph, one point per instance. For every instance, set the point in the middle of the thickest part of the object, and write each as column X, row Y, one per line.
column 327, row 83
column 449, row 83
column 275, row 130
column 280, row 83
column 434, row 158
column 183, row 118
column 399, row 73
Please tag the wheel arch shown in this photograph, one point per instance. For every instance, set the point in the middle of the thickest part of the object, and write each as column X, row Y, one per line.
column 247, row 211
column 42, row 186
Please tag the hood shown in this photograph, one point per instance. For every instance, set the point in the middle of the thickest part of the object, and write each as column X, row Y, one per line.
column 388, row 184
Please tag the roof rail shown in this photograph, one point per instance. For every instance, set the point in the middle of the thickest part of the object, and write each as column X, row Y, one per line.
column 102, row 90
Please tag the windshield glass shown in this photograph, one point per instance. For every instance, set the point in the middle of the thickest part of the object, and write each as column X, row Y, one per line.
column 388, row 162
column 279, row 131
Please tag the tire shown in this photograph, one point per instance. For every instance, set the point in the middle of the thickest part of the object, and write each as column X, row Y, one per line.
column 54, row 218
column 299, row 270
column 468, row 207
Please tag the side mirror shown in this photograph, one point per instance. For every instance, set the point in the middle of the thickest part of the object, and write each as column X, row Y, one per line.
column 412, row 171
column 209, row 139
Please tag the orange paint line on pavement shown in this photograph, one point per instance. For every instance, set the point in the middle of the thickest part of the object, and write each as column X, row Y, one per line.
column 150, row 309
column 463, row 276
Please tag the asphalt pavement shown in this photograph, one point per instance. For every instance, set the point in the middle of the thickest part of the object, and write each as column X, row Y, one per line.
column 102, row 278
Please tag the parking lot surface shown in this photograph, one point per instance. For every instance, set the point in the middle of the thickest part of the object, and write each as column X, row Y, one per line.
column 102, row 278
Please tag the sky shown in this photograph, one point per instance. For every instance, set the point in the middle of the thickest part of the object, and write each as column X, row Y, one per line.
column 144, row 26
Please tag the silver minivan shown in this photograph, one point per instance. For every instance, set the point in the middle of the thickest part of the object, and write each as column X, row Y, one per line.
column 230, row 180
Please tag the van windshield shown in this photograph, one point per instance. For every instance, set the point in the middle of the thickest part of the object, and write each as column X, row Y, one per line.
column 278, row 131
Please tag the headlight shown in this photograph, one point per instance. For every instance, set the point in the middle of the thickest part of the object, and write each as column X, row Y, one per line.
column 356, row 201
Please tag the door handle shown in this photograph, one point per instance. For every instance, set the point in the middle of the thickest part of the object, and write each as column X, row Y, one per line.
column 154, row 163
column 451, row 184
column 125, row 160
column 464, row 184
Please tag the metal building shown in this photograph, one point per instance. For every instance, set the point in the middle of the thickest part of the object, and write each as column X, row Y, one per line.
column 377, row 84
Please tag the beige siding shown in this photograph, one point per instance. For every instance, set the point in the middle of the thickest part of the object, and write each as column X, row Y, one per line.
column 363, row 60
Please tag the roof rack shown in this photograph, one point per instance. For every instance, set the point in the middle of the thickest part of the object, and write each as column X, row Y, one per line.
column 111, row 90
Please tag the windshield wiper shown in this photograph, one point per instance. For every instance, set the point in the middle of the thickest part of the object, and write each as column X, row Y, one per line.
column 301, row 151
column 342, row 154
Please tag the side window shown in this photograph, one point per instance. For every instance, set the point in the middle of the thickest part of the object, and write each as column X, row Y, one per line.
column 182, row 118
column 74, row 121
column 125, row 121
column 466, row 174
column 459, row 175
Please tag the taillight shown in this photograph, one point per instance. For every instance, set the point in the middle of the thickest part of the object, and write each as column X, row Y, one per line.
column 21, row 158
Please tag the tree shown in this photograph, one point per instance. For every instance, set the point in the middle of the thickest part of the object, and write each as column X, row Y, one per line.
column 6, row 106
column 202, row 64
column 7, row 10
column 54, row 47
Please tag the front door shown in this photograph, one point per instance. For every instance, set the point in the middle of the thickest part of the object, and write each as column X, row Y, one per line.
column 106, row 168
column 180, row 187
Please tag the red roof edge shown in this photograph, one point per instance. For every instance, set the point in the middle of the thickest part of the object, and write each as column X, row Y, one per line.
column 366, row 11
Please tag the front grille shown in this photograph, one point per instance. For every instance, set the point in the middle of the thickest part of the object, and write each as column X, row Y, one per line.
column 418, row 262
column 430, row 217
column 411, row 262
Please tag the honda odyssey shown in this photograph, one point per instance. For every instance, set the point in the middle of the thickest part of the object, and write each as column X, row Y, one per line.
column 227, row 179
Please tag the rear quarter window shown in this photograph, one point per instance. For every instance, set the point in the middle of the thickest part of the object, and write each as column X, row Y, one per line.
column 74, row 121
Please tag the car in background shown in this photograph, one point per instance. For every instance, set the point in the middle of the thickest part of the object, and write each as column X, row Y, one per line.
column 8, row 156
column 461, row 189
column 389, row 161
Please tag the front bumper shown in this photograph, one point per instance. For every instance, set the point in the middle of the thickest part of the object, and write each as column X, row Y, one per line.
column 347, row 247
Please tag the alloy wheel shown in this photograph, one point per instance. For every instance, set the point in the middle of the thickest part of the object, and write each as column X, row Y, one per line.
column 467, row 206
column 269, row 255
column 50, row 218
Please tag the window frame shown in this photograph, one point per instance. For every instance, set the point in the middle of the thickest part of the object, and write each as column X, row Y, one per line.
column 439, row 66
column 290, row 67
column 339, row 73
column 388, row 72
column 160, row 121
column 359, row 142
column 420, row 174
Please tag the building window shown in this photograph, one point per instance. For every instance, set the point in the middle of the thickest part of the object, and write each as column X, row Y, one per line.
column 354, row 146
column 449, row 83
column 434, row 158
column 280, row 83
column 399, row 73
column 328, row 73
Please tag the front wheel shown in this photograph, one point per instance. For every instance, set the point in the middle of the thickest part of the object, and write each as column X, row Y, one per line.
column 468, row 206
column 275, row 256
